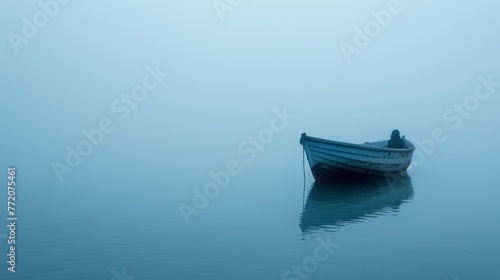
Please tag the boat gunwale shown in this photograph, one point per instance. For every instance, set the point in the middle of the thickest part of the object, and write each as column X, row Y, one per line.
column 410, row 148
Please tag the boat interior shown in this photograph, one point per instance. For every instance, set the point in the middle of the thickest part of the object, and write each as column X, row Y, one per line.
column 382, row 144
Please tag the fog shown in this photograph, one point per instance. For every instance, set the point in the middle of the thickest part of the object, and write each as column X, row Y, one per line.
column 433, row 66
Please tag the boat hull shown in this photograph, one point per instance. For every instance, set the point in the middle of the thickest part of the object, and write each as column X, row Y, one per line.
column 332, row 158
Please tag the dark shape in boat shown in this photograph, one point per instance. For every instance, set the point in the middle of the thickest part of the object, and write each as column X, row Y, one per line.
column 329, row 158
column 332, row 205
column 396, row 141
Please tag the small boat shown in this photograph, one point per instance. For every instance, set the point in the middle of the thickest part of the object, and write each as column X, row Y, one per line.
column 329, row 158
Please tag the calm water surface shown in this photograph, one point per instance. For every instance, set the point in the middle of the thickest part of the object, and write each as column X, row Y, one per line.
column 441, row 223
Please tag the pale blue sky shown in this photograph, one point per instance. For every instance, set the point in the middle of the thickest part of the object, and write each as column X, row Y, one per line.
column 227, row 76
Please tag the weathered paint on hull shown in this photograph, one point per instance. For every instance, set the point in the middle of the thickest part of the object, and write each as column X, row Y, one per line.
column 331, row 158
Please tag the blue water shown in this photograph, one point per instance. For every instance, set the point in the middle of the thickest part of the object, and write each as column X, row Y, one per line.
column 200, row 175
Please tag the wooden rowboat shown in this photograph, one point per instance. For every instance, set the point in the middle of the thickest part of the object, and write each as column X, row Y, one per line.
column 329, row 159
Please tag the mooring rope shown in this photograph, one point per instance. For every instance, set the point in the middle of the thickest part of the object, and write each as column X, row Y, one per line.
column 304, row 172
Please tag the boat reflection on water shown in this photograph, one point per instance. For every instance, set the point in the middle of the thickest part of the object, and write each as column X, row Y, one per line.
column 332, row 205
